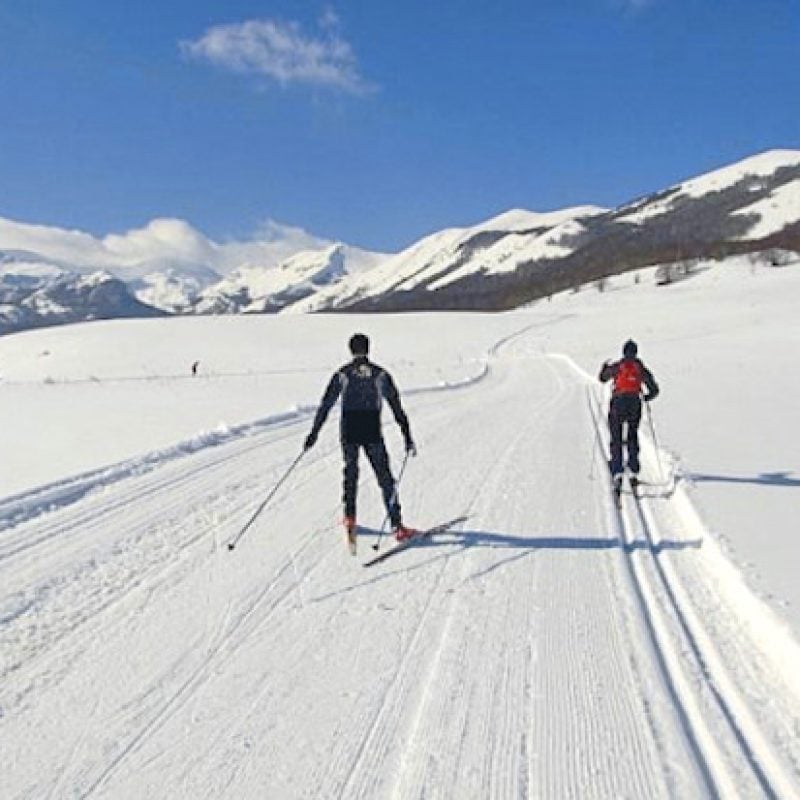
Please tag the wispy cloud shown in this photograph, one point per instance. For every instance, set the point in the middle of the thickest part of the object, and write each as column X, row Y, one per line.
column 283, row 52
column 161, row 243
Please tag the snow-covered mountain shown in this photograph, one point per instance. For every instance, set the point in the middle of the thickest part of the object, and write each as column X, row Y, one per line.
column 751, row 175
column 262, row 289
column 169, row 266
column 495, row 247
column 521, row 256
column 174, row 289
column 504, row 262
column 40, row 295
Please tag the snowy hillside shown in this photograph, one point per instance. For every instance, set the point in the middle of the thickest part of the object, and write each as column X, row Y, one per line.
column 497, row 245
column 545, row 645
column 34, row 295
column 751, row 170
column 267, row 289
column 521, row 256
column 173, row 289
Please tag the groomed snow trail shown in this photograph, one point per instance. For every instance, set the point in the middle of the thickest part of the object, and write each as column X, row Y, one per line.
column 546, row 647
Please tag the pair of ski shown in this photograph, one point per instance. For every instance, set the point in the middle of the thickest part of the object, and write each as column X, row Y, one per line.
column 399, row 547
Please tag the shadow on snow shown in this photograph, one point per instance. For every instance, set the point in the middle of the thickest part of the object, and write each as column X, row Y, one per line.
column 763, row 479
column 468, row 539
column 442, row 546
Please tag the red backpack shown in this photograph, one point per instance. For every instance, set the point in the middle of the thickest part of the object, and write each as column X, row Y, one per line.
column 628, row 379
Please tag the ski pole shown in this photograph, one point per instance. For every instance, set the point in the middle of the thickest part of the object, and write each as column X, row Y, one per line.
column 655, row 442
column 594, row 449
column 233, row 542
column 392, row 501
column 596, row 422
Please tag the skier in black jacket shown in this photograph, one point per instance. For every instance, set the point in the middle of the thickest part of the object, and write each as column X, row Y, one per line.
column 628, row 374
column 363, row 386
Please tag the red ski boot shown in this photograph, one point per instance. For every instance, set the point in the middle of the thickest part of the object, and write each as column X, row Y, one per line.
column 350, row 532
column 403, row 534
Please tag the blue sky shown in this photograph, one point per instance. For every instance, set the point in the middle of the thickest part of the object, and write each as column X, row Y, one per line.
column 378, row 122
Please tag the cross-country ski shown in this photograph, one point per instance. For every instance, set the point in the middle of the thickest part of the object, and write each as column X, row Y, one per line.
column 416, row 538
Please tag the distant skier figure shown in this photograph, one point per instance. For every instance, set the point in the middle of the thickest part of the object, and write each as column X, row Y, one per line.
column 628, row 374
column 363, row 386
column 194, row 368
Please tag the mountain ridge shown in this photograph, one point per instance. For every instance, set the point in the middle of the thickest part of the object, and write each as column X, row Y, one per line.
column 508, row 260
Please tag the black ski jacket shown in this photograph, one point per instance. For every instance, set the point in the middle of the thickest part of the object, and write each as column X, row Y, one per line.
column 363, row 386
column 609, row 371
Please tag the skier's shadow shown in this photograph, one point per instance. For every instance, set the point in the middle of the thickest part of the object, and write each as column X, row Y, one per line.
column 468, row 539
column 763, row 479
column 531, row 545
column 441, row 546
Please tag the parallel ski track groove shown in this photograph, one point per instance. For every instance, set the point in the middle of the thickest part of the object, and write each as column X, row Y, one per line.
column 130, row 496
column 333, row 546
column 195, row 679
column 374, row 730
column 702, row 744
column 217, row 650
column 412, row 762
column 412, row 766
column 159, row 569
column 768, row 771
column 753, row 746
column 707, row 754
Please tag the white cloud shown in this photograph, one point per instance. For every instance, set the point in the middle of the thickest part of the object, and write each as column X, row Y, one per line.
column 174, row 237
column 271, row 244
column 74, row 247
column 159, row 244
column 283, row 52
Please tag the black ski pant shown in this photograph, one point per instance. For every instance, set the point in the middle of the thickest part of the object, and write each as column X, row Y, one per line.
column 379, row 458
column 624, row 412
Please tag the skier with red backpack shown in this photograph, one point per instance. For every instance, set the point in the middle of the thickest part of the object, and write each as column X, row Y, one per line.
column 628, row 374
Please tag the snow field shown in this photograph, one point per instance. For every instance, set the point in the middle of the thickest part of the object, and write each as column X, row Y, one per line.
column 548, row 646
column 98, row 394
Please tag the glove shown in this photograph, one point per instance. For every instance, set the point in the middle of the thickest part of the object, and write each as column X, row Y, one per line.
column 311, row 440
column 648, row 397
column 411, row 448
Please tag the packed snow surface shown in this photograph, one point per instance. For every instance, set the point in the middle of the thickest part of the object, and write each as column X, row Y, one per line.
column 545, row 645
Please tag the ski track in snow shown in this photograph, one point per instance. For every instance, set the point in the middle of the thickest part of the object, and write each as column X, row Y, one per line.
column 547, row 646
column 734, row 754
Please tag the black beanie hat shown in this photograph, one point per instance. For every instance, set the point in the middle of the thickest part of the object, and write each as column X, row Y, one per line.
column 359, row 344
column 630, row 349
